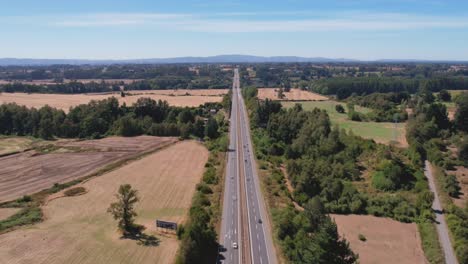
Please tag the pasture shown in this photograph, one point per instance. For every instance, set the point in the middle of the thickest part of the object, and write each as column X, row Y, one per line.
column 382, row 132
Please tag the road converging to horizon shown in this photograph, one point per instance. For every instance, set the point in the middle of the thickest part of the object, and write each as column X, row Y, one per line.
column 245, row 230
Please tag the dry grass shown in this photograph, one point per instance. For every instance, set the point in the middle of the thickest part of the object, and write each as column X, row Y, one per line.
column 78, row 229
column 293, row 95
column 183, row 92
column 387, row 241
column 30, row 172
column 65, row 101
column 14, row 144
column 7, row 212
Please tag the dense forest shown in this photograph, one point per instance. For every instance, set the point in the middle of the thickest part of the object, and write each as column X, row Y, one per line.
column 101, row 118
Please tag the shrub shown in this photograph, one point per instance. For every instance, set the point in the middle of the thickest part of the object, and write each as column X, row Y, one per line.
column 362, row 237
column 204, row 188
column 75, row 191
column 28, row 215
column 339, row 108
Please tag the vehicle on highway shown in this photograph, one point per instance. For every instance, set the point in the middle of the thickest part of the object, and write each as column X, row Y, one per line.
column 234, row 245
column 259, row 221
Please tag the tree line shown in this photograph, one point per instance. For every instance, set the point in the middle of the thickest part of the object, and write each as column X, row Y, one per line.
column 345, row 87
column 429, row 133
column 106, row 117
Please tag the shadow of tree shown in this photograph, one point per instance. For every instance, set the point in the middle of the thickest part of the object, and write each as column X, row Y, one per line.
column 136, row 233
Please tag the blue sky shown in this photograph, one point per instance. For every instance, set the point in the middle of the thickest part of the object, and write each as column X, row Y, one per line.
column 124, row 29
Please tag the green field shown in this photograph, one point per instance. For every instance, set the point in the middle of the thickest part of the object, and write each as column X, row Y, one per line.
column 381, row 132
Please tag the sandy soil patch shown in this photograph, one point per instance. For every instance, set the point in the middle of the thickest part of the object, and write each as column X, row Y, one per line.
column 388, row 241
column 78, row 229
column 293, row 95
column 65, row 101
column 7, row 212
column 462, row 176
column 29, row 172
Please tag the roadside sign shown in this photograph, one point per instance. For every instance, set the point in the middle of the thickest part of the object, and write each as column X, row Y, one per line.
column 166, row 224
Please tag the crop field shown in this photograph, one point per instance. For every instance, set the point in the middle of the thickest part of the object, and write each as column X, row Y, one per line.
column 386, row 240
column 65, row 101
column 383, row 132
column 32, row 171
column 79, row 230
column 293, row 95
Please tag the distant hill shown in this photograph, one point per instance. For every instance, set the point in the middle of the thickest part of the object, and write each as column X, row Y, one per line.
column 210, row 59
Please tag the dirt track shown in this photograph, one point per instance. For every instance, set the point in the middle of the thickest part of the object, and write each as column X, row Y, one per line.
column 28, row 172
column 78, row 229
column 388, row 241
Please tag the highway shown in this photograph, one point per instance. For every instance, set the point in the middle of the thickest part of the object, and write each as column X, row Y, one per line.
column 245, row 221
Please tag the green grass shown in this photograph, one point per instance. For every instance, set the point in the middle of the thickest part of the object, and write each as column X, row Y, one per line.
column 430, row 243
column 381, row 132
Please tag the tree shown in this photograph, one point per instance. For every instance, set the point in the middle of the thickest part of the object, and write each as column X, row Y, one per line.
column 211, row 129
column 280, row 93
column 461, row 116
column 444, row 96
column 339, row 108
column 463, row 150
column 123, row 210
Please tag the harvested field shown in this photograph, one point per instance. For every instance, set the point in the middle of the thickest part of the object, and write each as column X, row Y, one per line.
column 78, row 229
column 7, row 212
column 30, row 172
column 293, row 95
column 462, row 176
column 182, row 92
column 65, row 101
column 388, row 241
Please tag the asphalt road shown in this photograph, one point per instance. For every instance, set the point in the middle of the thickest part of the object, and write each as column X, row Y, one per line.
column 441, row 225
column 245, row 220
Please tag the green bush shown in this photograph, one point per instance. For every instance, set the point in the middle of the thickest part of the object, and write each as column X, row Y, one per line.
column 452, row 186
column 362, row 237
column 28, row 215
column 209, row 176
column 75, row 191
column 204, row 188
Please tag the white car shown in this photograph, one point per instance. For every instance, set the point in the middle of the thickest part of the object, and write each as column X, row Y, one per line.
column 234, row 245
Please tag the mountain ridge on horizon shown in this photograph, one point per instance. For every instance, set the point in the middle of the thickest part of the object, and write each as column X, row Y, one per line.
column 231, row 58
